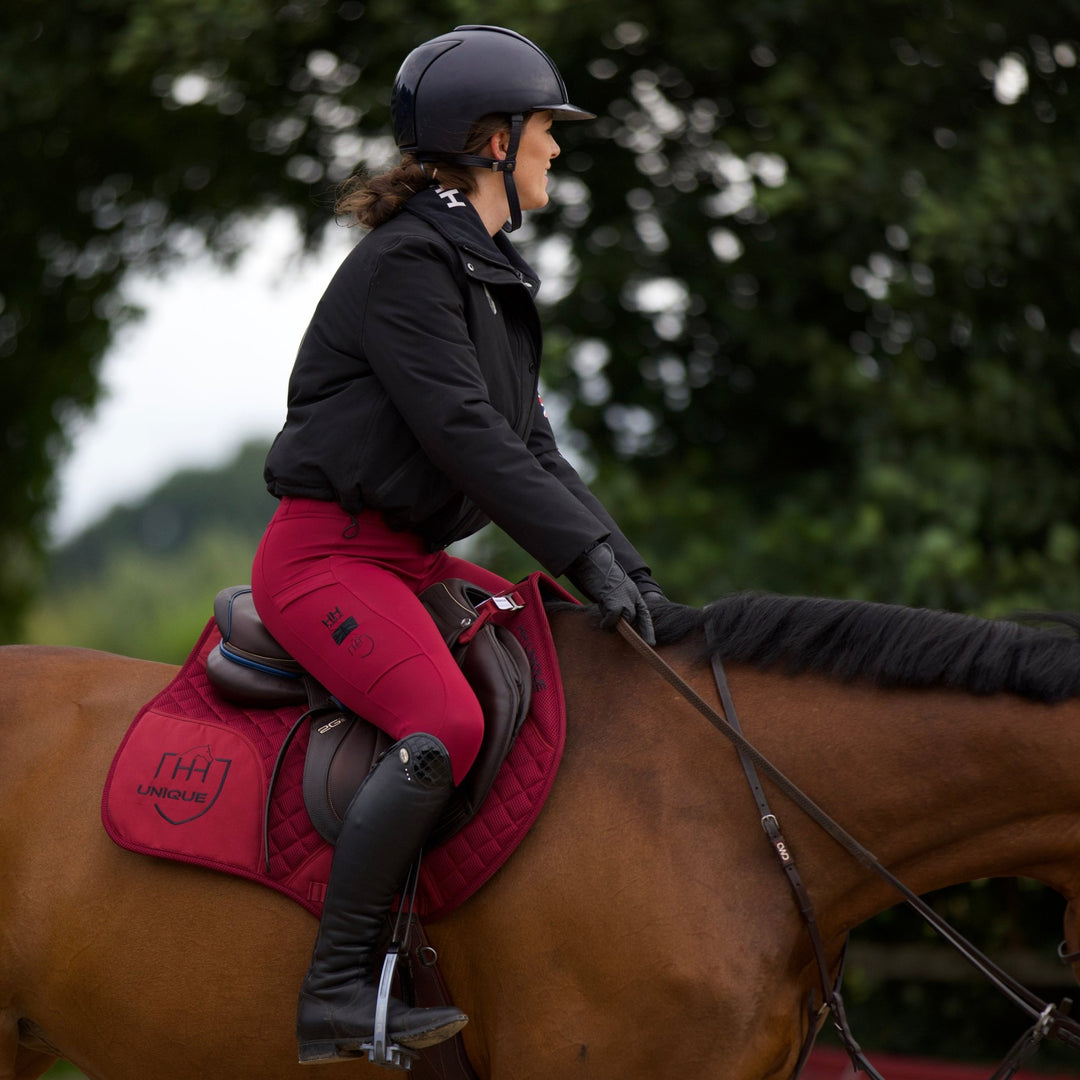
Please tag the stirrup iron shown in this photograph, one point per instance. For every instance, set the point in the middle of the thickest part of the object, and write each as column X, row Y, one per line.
column 380, row 1050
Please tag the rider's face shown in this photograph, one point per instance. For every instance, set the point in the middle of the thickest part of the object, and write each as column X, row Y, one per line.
column 536, row 151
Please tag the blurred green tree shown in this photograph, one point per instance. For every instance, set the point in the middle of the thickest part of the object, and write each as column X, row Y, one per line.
column 824, row 298
column 809, row 274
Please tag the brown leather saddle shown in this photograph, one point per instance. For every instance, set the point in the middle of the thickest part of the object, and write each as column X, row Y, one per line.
column 250, row 669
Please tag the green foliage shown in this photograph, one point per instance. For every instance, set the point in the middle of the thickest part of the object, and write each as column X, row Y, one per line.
column 810, row 314
column 135, row 132
column 142, row 581
column 63, row 1070
column 145, row 605
column 174, row 516
column 861, row 378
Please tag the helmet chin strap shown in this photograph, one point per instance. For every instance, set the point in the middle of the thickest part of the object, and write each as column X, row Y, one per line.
column 508, row 166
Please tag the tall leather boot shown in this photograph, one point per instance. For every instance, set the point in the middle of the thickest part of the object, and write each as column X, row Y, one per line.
column 384, row 828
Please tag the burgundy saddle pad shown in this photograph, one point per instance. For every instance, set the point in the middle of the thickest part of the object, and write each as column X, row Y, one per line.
column 190, row 778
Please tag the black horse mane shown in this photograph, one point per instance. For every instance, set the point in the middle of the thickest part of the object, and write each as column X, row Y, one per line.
column 891, row 646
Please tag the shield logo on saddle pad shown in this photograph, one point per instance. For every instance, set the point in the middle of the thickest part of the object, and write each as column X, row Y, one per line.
column 186, row 785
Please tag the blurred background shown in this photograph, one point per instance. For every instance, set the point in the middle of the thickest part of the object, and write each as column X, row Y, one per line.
column 810, row 309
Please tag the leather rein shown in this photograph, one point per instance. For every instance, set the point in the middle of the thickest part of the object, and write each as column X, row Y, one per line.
column 1048, row 1020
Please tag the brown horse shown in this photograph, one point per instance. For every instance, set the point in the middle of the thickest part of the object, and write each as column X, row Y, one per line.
column 643, row 929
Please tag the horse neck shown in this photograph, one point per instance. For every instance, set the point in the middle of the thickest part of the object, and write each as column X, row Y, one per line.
column 941, row 786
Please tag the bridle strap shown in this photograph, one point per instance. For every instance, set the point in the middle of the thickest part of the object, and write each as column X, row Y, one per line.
column 1049, row 1019
column 830, row 987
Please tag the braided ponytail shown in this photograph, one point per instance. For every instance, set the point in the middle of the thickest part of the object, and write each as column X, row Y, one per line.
column 376, row 199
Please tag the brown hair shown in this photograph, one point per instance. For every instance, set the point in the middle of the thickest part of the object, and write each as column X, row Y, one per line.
column 373, row 200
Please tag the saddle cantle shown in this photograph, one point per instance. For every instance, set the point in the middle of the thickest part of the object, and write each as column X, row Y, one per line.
column 249, row 668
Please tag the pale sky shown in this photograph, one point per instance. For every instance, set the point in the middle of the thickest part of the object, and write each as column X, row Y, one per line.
column 203, row 371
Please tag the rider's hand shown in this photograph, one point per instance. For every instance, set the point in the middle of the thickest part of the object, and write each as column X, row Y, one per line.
column 599, row 576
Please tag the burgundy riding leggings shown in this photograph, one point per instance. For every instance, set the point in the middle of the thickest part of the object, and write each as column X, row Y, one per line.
column 339, row 592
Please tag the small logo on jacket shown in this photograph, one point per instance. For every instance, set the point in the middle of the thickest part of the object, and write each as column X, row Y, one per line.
column 185, row 786
column 450, row 197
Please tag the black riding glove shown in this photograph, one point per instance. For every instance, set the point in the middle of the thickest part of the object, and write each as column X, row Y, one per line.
column 599, row 576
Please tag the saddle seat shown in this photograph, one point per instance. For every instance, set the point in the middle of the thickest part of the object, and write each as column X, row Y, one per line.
column 251, row 669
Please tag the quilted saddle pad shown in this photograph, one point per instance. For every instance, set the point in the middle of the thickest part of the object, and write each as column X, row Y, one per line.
column 190, row 778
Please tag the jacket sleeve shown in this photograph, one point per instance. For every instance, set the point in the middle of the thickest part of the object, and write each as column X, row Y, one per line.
column 543, row 446
column 415, row 337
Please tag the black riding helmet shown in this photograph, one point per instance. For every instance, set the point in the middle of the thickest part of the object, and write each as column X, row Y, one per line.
column 448, row 83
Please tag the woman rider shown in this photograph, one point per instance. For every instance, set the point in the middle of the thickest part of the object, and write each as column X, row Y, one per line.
column 413, row 419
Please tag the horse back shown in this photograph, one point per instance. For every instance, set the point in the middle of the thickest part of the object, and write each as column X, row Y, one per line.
column 65, row 705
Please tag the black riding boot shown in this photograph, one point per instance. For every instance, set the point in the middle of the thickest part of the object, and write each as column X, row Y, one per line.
column 384, row 828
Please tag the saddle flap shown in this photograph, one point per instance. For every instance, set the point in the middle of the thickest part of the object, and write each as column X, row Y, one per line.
column 498, row 671
column 340, row 753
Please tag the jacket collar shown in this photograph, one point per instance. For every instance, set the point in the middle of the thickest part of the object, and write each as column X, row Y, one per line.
column 452, row 215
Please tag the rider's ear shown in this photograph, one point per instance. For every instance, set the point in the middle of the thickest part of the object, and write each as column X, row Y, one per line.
column 499, row 145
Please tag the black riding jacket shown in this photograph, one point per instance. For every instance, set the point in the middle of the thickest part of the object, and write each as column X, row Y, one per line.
column 415, row 393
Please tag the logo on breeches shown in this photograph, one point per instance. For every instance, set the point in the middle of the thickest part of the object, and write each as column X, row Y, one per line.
column 185, row 786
